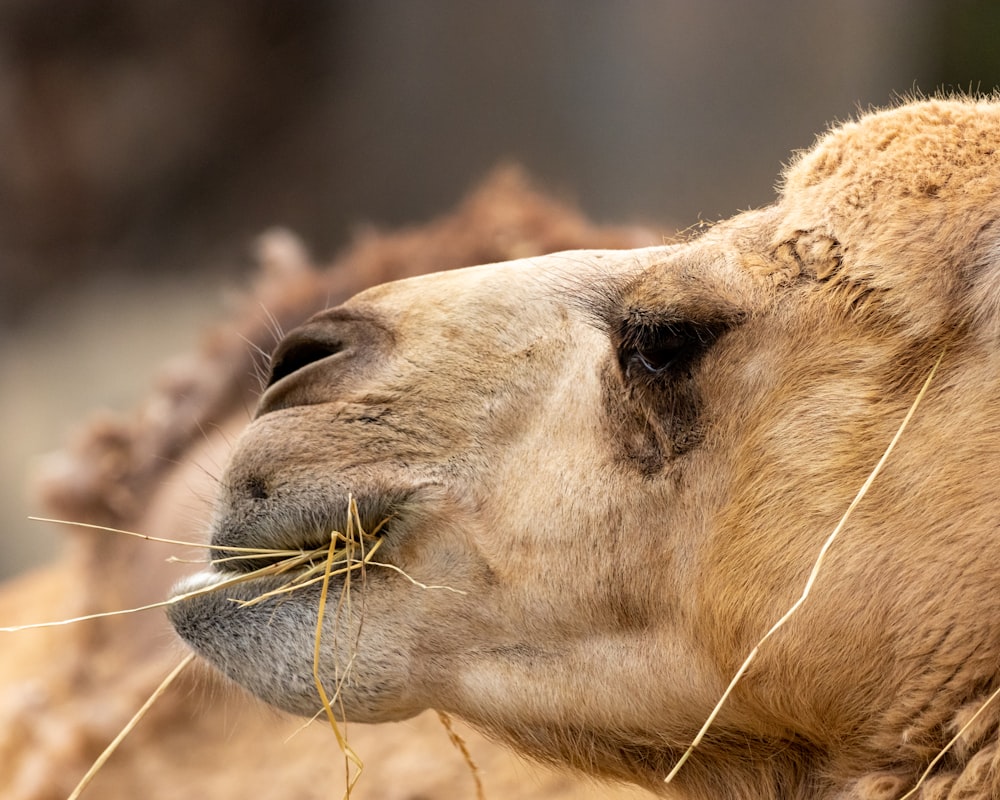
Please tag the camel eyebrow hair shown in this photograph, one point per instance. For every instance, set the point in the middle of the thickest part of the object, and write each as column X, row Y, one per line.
column 610, row 309
column 606, row 304
column 637, row 319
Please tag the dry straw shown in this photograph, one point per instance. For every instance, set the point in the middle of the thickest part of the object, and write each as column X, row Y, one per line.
column 944, row 750
column 346, row 553
column 459, row 743
column 110, row 749
column 352, row 543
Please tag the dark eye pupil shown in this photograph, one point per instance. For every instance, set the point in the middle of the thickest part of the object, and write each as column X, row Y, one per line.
column 660, row 356
column 663, row 348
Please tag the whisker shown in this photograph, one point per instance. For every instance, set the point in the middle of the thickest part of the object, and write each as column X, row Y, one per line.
column 256, row 348
column 221, row 430
column 274, row 326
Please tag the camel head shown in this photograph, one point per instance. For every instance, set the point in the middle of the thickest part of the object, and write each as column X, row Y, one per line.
column 622, row 466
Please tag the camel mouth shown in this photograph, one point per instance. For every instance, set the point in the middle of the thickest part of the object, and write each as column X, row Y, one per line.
column 302, row 538
column 299, row 557
column 251, row 576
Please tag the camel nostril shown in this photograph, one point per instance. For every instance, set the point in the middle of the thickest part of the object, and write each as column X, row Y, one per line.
column 299, row 350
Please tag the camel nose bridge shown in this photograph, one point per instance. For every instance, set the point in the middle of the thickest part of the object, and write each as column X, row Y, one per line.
column 326, row 351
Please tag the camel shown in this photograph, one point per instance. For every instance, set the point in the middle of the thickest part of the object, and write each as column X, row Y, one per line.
column 622, row 465
column 65, row 692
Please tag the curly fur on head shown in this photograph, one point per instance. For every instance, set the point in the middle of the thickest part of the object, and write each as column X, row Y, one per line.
column 918, row 179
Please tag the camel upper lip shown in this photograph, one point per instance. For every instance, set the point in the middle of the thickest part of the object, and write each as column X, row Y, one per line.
column 289, row 530
column 290, row 569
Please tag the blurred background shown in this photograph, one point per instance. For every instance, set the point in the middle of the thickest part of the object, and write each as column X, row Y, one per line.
column 145, row 143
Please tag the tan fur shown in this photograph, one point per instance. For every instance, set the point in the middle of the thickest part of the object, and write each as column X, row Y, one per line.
column 624, row 538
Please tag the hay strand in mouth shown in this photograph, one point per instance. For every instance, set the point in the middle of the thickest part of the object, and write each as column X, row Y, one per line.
column 110, row 749
column 320, row 573
column 277, row 568
column 248, row 551
column 354, row 535
column 812, row 574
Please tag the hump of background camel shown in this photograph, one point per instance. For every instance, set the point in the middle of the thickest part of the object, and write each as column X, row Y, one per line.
column 65, row 692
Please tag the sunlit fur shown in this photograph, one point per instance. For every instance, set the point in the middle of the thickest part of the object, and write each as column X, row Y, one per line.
column 625, row 533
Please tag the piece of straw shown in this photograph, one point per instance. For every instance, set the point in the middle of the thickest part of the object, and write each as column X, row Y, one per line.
column 227, row 548
column 350, row 756
column 110, row 749
column 812, row 575
column 459, row 743
column 271, row 569
column 947, row 747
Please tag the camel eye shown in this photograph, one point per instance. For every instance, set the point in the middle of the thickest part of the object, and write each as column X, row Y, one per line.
column 654, row 350
column 659, row 355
